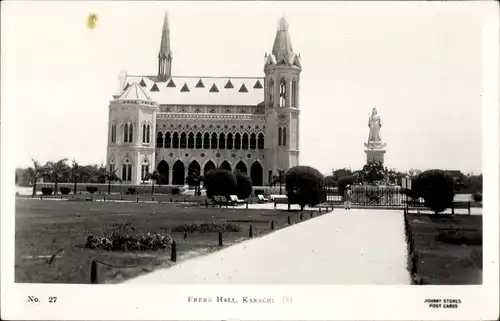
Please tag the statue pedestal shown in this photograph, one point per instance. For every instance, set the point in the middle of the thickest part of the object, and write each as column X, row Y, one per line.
column 375, row 151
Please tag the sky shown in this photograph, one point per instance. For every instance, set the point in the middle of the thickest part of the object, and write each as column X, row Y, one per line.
column 419, row 64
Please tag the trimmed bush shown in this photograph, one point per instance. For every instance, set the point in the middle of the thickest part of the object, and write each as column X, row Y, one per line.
column 478, row 197
column 304, row 186
column 91, row 189
column 243, row 185
column 65, row 190
column 436, row 187
column 220, row 182
column 176, row 191
column 123, row 242
column 47, row 191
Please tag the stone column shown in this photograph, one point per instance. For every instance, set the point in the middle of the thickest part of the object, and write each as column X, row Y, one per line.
column 170, row 174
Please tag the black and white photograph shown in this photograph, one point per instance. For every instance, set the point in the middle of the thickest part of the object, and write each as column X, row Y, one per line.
column 246, row 153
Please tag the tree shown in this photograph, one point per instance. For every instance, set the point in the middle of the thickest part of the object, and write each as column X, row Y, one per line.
column 304, row 186
column 34, row 173
column 55, row 171
column 243, row 185
column 109, row 176
column 77, row 173
column 436, row 187
column 154, row 176
column 220, row 182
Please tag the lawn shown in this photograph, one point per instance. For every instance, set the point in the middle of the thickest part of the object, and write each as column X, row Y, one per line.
column 44, row 227
column 449, row 248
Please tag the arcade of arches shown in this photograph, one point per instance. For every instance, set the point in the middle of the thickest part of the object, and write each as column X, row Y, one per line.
column 178, row 173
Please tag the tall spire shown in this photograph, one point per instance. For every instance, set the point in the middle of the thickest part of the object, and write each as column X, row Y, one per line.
column 165, row 54
column 282, row 48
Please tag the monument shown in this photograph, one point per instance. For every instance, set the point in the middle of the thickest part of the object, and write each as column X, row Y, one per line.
column 375, row 147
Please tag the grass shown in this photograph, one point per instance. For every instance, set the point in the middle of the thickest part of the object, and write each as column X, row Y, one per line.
column 449, row 248
column 45, row 227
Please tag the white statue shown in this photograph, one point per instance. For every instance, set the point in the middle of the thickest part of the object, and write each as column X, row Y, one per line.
column 374, row 123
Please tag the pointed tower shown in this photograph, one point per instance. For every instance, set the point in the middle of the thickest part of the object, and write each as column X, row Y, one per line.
column 165, row 54
column 131, row 134
column 282, row 83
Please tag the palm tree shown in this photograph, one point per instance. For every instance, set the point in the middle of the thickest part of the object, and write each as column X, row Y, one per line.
column 77, row 173
column 154, row 176
column 34, row 173
column 109, row 176
column 55, row 171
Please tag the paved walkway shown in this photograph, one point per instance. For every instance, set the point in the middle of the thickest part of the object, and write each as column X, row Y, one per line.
column 341, row 247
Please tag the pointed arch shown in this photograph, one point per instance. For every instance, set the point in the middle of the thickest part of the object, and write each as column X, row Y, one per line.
column 206, row 141
column 294, row 93
column 178, row 173
column 144, row 133
column 260, row 141
column 237, row 141
column 159, row 140
column 213, row 141
column 125, row 133
column 208, row 166
column 222, row 141
column 283, row 139
column 282, row 92
column 256, row 174
column 194, row 166
column 148, row 130
column 280, row 135
column 230, row 142
column 168, row 140
column 191, row 140
column 271, row 89
column 253, row 141
column 130, row 133
column 183, row 140
column 244, row 141
column 175, row 140
column 241, row 167
column 225, row 165
column 163, row 170
column 199, row 141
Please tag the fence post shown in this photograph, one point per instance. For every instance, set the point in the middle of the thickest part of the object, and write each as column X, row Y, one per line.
column 468, row 208
column 93, row 272
column 206, row 203
column 220, row 238
column 137, row 199
column 301, row 217
column 173, row 255
column 311, row 215
column 452, row 208
column 289, row 223
column 250, row 231
column 272, row 224
column 185, row 234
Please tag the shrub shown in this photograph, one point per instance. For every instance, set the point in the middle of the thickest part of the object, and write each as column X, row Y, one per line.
column 478, row 197
column 436, row 188
column 131, row 191
column 207, row 227
column 220, row 182
column 65, row 190
column 47, row 191
column 343, row 182
column 91, row 189
column 124, row 242
column 304, row 186
column 243, row 185
column 176, row 191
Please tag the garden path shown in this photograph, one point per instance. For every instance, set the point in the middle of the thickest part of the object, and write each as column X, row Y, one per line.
column 341, row 247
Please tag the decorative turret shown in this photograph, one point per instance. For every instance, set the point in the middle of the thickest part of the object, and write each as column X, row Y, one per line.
column 282, row 53
column 165, row 53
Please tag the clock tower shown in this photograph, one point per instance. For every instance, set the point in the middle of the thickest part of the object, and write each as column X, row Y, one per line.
column 282, row 83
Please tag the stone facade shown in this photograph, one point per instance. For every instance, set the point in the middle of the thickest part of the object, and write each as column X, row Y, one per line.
column 178, row 124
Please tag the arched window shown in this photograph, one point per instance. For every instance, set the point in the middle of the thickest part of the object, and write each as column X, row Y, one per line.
column 260, row 141
column 244, row 143
column 222, row 141
column 237, row 141
column 148, row 129
column 271, row 89
column 168, row 140
column 144, row 134
column 282, row 92
column 230, row 143
column 284, row 137
column 294, row 93
column 130, row 133
column 183, row 140
column 125, row 133
column 253, row 141
column 113, row 133
column 279, row 136
column 159, row 140
column 191, row 140
column 175, row 140
column 199, row 142
column 213, row 144
column 206, row 141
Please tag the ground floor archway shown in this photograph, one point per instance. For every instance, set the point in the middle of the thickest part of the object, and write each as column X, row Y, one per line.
column 194, row 167
column 225, row 165
column 241, row 167
column 163, row 171
column 178, row 173
column 256, row 174
column 208, row 166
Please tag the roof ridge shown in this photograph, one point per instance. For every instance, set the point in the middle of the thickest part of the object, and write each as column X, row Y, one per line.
column 209, row 77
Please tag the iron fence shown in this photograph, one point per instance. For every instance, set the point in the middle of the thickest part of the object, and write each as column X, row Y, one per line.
column 386, row 196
